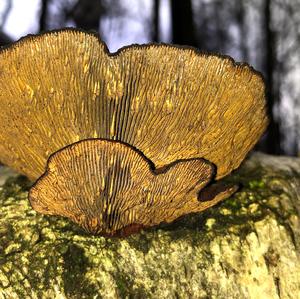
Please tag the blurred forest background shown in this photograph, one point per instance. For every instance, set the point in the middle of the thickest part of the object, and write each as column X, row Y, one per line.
column 264, row 33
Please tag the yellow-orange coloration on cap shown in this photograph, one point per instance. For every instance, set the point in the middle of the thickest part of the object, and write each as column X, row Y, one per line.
column 169, row 102
column 108, row 188
column 132, row 136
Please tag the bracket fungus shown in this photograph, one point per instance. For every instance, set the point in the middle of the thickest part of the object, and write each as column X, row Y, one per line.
column 126, row 140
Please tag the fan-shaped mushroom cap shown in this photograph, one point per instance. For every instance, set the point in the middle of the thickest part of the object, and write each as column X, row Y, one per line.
column 107, row 186
column 169, row 102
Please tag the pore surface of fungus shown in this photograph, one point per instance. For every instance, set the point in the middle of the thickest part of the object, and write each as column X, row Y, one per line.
column 133, row 136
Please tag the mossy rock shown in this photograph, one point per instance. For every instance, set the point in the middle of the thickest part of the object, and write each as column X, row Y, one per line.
column 245, row 247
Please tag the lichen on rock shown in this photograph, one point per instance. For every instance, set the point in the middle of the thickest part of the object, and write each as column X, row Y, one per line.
column 245, row 247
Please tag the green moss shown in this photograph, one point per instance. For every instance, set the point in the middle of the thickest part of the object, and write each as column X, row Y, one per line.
column 51, row 253
column 74, row 270
column 125, row 284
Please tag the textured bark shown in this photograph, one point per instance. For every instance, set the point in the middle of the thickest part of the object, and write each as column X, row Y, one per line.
column 245, row 247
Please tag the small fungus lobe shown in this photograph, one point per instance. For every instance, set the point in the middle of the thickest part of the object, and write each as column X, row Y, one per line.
column 106, row 186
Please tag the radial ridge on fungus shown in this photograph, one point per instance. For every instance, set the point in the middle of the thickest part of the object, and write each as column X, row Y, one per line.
column 62, row 93
column 106, row 186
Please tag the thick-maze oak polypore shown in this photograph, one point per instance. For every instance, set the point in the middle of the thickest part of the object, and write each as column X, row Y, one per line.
column 121, row 141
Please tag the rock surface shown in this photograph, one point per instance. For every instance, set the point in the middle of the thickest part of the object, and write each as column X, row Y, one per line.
column 246, row 247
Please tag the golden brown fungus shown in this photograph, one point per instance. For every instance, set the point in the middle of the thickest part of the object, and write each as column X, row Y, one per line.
column 109, row 188
column 162, row 115
column 169, row 102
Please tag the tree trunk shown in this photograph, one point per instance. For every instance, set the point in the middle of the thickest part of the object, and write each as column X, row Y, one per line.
column 87, row 13
column 5, row 12
column 4, row 39
column 240, row 15
column 155, row 34
column 183, row 29
column 43, row 15
column 273, row 138
column 246, row 247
